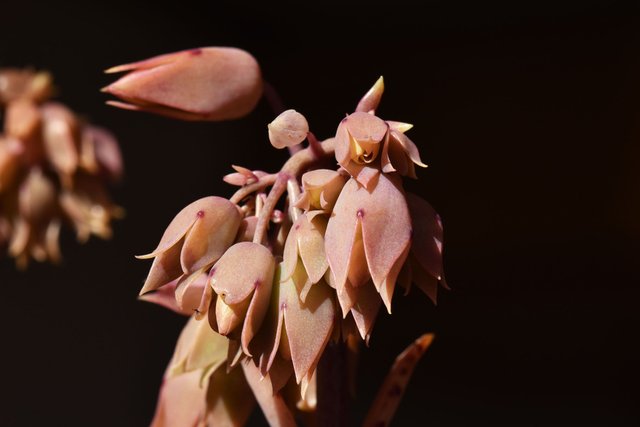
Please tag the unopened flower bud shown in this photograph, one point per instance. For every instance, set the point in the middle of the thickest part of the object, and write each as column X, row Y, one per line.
column 210, row 83
column 288, row 129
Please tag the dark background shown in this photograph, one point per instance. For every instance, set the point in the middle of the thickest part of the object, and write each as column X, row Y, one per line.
column 528, row 116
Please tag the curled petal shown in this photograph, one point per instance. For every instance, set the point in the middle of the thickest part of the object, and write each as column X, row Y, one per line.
column 409, row 147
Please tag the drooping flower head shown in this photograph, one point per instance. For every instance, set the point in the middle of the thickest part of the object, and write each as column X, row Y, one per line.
column 279, row 278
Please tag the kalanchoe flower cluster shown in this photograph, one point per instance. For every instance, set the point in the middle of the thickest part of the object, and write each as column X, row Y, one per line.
column 54, row 168
column 292, row 261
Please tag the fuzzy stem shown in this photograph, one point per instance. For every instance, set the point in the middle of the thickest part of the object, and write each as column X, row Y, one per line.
column 293, row 192
column 291, row 170
column 243, row 192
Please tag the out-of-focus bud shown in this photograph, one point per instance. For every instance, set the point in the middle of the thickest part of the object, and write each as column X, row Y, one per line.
column 242, row 278
column 288, row 129
column 16, row 84
column 60, row 138
column 10, row 151
column 209, row 83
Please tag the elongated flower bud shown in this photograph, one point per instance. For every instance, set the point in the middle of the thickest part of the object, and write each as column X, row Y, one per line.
column 210, row 83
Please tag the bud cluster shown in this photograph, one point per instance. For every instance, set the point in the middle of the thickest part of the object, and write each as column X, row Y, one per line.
column 54, row 169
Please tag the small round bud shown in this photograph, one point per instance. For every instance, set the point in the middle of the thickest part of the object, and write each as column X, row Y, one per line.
column 288, row 129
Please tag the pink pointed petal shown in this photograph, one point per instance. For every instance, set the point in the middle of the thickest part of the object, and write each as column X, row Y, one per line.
column 181, row 224
column 300, row 280
column 386, row 226
column 273, row 406
column 385, row 160
column 309, row 398
column 311, row 249
column 290, row 253
column 189, row 291
column 214, row 230
column 371, row 99
column 390, row 393
column 358, row 269
column 343, row 142
column 399, row 158
column 366, row 310
column 229, row 401
column 347, row 297
column 340, row 234
column 279, row 373
column 181, row 402
column 399, row 126
column 409, row 147
column 165, row 297
column 244, row 267
column 389, row 284
column 308, row 325
column 257, row 310
column 234, row 354
column 165, row 268
column 425, row 281
column 147, row 63
column 427, row 235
